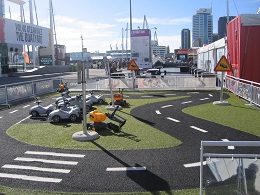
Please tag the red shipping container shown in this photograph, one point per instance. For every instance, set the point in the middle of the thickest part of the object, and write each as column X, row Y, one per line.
column 243, row 44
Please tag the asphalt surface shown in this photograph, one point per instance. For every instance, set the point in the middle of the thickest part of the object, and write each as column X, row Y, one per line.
column 87, row 171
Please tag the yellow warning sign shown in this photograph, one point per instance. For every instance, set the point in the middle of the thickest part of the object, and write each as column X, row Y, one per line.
column 132, row 66
column 223, row 65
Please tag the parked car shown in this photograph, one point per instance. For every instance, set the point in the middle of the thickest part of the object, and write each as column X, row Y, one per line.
column 39, row 110
column 65, row 112
column 96, row 99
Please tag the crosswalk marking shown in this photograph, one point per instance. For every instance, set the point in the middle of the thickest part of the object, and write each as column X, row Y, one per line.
column 46, row 161
column 30, row 178
column 55, row 154
column 126, row 169
column 7, row 166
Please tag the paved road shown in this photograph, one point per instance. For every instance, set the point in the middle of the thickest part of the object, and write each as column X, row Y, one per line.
column 88, row 171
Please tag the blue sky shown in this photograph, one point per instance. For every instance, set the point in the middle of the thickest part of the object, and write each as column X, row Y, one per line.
column 101, row 21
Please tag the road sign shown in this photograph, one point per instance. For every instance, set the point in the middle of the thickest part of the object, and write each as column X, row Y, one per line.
column 223, row 65
column 132, row 66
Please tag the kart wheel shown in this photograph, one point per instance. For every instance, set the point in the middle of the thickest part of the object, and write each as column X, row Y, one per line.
column 34, row 113
column 100, row 101
column 56, row 119
column 48, row 112
column 87, row 108
column 73, row 117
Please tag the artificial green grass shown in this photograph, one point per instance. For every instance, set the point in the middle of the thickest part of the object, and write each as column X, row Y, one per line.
column 237, row 115
column 134, row 135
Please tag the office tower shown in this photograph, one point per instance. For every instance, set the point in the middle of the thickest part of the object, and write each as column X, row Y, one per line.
column 202, row 26
column 185, row 39
column 222, row 22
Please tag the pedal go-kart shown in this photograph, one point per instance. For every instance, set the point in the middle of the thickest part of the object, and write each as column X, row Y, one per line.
column 65, row 94
column 96, row 99
column 98, row 119
column 39, row 110
column 65, row 112
column 76, row 101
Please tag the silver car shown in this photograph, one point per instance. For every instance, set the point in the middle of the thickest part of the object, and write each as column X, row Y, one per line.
column 65, row 112
column 96, row 99
column 39, row 110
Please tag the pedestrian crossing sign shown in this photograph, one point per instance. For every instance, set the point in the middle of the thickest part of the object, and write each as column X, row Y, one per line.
column 133, row 65
column 223, row 65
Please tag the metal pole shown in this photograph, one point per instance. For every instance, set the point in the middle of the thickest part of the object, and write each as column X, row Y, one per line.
column 84, row 92
column 201, row 168
column 51, row 32
column 222, row 87
column 31, row 22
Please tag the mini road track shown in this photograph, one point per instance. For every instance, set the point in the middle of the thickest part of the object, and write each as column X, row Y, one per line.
column 32, row 167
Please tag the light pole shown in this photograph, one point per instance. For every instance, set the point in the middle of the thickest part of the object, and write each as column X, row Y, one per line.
column 83, row 90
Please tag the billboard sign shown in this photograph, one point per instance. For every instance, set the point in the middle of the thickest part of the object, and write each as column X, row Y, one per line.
column 141, row 47
column 16, row 32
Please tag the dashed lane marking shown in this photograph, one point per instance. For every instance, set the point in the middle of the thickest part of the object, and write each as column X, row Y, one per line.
column 26, row 106
column 198, row 129
column 30, row 178
column 229, row 147
column 196, row 164
column 8, row 166
column 46, row 161
column 13, row 111
column 210, row 95
column 55, row 154
column 204, row 99
column 186, row 102
column 166, row 106
column 126, row 169
column 174, row 120
column 157, row 112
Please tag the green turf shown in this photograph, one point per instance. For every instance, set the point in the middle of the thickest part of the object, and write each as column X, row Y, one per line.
column 237, row 115
column 135, row 134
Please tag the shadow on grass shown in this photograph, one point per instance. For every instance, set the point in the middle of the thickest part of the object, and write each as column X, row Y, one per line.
column 140, row 119
column 145, row 178
column 109, row 132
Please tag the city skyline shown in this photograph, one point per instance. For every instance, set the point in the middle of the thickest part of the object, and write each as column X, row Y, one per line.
column 102, row 22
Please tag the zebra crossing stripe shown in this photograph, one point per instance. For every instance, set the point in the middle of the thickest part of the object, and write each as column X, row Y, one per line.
column 46, row 161
column 7, row 166
column 55, row 154
column 30, row 178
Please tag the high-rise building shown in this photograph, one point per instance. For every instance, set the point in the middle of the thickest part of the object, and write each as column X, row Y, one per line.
column 185, row 39
column 222, row 22
column 202, row 26
column 2, row 8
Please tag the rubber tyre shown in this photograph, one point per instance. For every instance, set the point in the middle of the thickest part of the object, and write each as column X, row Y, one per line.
column 56, row 119
column 73, row 117
column 34, row 113
column 100, row 101
column 48, row 112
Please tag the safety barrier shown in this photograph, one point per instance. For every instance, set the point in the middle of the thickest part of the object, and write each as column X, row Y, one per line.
column 31, row 89
column 245, row 89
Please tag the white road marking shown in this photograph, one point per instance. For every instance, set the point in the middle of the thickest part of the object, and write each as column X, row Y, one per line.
column 7, row 166
column 210, row 95
column 229, row 147
column 186, row 102
column 13, row 111
column 55, row 154
column 174, row 120
column 126, row 169
column 157, row 111
column 1, row 117
column 170, row 94
column 30, row 178
column 146, row 96
column 199, row 129
column 26, row 106
column 22, row 120
column 166, row 106
column 46, row 161
column 196, row 164
column 204, row 99
column 193, row 93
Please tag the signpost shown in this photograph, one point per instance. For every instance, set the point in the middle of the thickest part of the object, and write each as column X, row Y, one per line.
column 222, row 66
column 133, row 66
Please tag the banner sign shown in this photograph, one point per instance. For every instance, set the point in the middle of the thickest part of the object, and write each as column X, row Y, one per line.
column 16, row 32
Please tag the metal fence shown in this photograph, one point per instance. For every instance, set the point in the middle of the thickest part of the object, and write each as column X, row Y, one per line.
column 248, row 90
column 18, row 91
